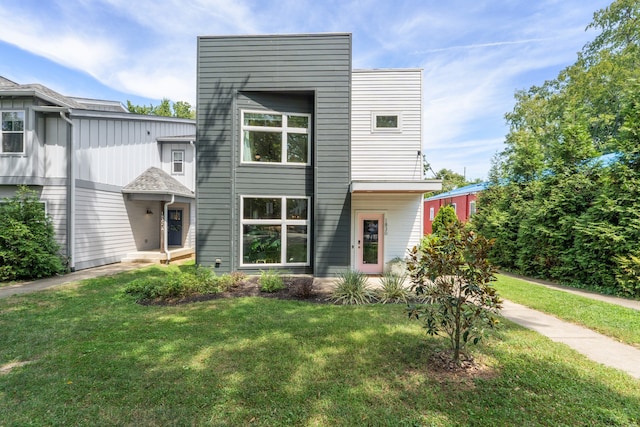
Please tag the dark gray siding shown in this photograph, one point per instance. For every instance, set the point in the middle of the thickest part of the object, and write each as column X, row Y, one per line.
column 297, row 73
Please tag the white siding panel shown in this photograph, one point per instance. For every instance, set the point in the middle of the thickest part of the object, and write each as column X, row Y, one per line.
column 116, row 151
column 103, row 231
column 391, row 154
column 56, row 148
column 403, row 218
column 188, row 178
column 56, row 200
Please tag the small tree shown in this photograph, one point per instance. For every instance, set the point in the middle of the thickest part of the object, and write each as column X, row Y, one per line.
column 27, row 240
column 451, row 273
column 446, row 216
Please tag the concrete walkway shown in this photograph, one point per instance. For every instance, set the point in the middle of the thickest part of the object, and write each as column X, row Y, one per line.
column 76, row 276
column 595, row 346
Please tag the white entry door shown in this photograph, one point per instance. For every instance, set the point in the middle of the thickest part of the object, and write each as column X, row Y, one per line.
column 370, row 241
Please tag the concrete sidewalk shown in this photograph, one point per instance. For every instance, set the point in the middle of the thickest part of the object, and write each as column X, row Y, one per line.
column 596, row 347
column 76, row 276
column 593, row 345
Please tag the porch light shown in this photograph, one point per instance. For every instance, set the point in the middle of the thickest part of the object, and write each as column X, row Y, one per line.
column 149, row 212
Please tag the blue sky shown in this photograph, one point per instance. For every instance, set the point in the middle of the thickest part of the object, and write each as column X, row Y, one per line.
column 475, row 53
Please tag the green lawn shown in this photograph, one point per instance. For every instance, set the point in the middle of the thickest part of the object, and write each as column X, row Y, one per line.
column 609, row 319
column 97, row 358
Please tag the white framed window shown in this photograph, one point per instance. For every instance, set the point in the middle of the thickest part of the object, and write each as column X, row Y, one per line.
column 386, row 122
column 455, row 208
column 272, row 137
column 177, row 162
column 12, row 132
column 275, row 230
column 472, row 208
column 432, row 213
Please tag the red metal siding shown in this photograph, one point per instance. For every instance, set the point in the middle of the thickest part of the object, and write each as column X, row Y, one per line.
column 462, row 208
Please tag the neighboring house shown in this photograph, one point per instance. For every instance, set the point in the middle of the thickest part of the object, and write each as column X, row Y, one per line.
column 462, row 199
column 109, row 179
column 303, row 164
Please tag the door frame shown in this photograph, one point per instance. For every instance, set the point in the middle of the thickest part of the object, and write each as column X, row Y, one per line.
column 360, row 216
column 181, row 210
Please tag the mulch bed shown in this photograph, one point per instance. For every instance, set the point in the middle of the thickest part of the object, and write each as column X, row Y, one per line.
column 297, row 288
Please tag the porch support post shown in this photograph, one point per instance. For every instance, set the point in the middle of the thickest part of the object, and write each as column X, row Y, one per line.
column 163, row 227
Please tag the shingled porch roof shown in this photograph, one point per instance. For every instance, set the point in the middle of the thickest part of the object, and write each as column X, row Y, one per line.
column 156, row 184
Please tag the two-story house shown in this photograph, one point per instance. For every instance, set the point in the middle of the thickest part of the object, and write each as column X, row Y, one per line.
column 116, row 185
column 304, row 164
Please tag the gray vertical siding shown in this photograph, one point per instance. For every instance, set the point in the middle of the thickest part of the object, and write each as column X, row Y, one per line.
column 300, row 72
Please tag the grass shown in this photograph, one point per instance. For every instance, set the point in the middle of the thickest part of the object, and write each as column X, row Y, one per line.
column 97, row 358
column 609, row 319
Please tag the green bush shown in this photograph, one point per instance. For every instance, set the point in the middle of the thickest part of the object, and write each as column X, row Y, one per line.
column 352, row 288
column 392, row 289
column 27, row 239
column 445, row 216
column 189, row 281
column 270, row 281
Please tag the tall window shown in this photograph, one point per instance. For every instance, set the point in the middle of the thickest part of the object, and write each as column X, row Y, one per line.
column 472, row 208
column 177, row 162
column 275, row 137
column 275, row 230
column 431, row 214
column 12, row 132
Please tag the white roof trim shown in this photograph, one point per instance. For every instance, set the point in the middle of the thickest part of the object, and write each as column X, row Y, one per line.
column 423, row 186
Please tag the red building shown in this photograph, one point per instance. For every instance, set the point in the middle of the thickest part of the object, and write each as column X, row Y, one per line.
column 462, row 199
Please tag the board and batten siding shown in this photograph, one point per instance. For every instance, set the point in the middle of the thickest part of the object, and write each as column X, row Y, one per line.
column 318, row 66
column 403, row 219
column 381, row 155
column 188, row 176
column 115, row 150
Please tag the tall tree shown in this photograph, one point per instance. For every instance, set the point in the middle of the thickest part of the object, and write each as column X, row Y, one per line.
column 555, row 211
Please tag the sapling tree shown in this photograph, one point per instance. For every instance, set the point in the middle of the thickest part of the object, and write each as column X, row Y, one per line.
column 451, row 273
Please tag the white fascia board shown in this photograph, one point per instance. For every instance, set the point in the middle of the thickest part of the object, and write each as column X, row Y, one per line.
column 424, row 186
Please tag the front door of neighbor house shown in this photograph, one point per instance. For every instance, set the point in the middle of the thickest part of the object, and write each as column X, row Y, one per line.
column 370, row 241
column 175, row 227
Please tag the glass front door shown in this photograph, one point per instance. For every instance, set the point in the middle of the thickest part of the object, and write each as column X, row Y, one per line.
column 370, row 239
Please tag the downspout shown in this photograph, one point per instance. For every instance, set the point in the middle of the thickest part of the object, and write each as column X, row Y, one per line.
column 71, row 214
column 166, row 228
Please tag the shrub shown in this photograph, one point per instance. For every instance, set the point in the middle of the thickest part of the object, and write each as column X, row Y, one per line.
column 189, row 281
column 270, row 281
column 352, row 288
column 392, row 288
column 301, row 287
column 27, row 239
column 452, row 273
column 444, row 218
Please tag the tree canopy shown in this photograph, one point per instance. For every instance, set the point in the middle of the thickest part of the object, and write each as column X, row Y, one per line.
column 556, row 211
column 166, row 108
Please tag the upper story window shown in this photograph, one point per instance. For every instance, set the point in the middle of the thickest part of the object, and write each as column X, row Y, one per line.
column 386, row 122
column 12, row 132
column 177, row 162
column 269, row 137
